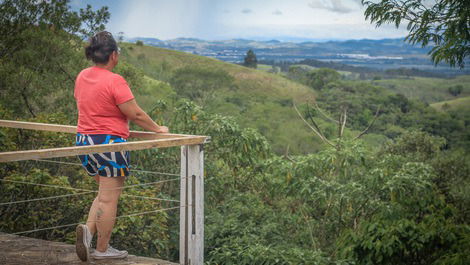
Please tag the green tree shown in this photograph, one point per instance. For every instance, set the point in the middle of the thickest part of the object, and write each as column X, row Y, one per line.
column 298, row 73
column 417, row 145
column 39, row 52
column 17, row 16
column 319, row 78
column 455, row 90
column 139, row 43
column 413, row 221
column 250, row 59
column 445, row 24
column 199, row 84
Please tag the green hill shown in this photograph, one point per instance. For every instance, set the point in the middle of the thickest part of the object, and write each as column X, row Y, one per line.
column 426, row 89
column 256, row 99
column 462, row 103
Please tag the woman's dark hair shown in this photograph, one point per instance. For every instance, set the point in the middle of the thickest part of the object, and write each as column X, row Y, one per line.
column 100, row 47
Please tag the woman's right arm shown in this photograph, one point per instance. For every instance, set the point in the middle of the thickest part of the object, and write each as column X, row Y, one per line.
column 135, row 114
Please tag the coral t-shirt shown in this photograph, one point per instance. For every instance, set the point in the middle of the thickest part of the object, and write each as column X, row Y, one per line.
column 97, row 93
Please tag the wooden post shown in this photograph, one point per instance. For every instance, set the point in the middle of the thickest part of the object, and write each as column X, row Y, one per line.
column 192, row 205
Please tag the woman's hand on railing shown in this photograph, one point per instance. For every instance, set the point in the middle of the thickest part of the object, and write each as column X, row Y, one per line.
column 162, row 129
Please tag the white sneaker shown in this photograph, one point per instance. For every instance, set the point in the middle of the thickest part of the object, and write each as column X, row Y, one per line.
column 110, row 253
column 83, row 242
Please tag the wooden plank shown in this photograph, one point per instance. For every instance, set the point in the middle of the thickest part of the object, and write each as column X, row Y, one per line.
column 20, row 250
column 189, row 207
column 196, row 203
column 115, row 147
column 73, row 129
column 152, row 135
column 38, row 126
column 183, row 242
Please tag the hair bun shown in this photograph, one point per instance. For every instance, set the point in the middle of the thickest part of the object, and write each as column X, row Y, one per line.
column 100, row 47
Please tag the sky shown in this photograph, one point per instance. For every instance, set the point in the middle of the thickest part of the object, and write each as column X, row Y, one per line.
column 292, row 20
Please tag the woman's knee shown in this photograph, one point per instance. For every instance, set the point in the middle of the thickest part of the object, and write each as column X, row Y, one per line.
column 108, row 198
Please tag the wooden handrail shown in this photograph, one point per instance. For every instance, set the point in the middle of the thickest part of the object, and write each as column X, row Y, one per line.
column 153, row 140
column 73, row 129
column 101, row 148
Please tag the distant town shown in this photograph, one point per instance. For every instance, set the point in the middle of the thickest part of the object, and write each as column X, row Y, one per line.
column 379, row 54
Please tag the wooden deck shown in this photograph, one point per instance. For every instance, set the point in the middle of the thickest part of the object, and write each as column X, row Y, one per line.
column 16, row 250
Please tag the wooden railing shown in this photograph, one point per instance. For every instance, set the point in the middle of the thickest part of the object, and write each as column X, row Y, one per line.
column 191, row 171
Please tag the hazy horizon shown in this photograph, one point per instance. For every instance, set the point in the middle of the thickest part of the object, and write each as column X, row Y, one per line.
column 264, row 39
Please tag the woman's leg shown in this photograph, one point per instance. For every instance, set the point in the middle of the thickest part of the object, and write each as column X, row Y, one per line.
column 108, row 197
column 91, row 220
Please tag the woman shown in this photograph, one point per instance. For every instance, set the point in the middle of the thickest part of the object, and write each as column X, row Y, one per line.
column 105, row 105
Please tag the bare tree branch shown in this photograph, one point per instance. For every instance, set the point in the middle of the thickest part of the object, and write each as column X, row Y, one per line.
column 370, row 124
column 310, row 116
column 313, row 129
column 340, row 123
column 286, row 155
column 324, row 114
column 345, row 116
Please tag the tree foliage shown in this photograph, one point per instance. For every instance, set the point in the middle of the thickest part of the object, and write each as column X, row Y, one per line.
column 250, row 59
column 316, row 78
column 455, row 90
column 17, row 16
column 445, row 24
column 319, row 78
column 199, row 84
column 38, row 51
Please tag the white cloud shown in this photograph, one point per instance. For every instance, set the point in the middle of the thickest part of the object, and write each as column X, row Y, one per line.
column 209, row 19
column 337, row 6
column 327, row 31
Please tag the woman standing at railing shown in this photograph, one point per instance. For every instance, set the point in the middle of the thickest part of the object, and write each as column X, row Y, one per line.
column 105, row 106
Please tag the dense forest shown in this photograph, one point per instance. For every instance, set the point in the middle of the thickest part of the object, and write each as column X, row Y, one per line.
column 381, row 177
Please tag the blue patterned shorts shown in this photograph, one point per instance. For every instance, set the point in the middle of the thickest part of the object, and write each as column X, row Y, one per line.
column 109, row 164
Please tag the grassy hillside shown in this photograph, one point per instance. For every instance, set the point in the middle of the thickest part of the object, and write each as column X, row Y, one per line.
column 461, row 103
column 259, row 100
column 427, row 89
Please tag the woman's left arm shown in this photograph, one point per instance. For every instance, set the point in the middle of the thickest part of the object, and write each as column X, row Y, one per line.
column 134, row 113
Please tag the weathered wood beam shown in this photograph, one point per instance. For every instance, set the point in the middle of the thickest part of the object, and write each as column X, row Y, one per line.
column 73, row 129
column 192, row 205
column 115, row 147
column 38, row 126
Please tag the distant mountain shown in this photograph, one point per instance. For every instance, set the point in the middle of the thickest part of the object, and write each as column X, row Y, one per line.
column 379, row 54
column 382, row 47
